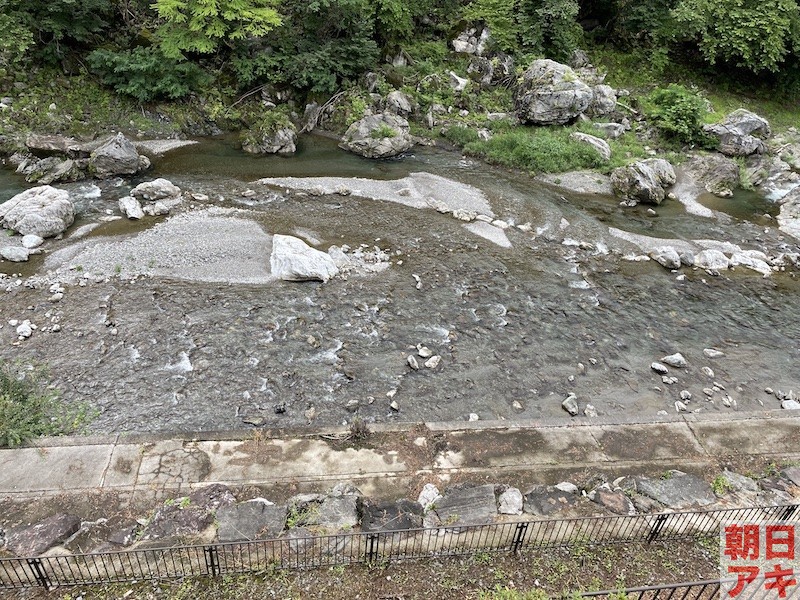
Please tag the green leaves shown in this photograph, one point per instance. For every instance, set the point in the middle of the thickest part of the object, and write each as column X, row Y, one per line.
column 678, row 113
column 200, row 26
column 754, row 34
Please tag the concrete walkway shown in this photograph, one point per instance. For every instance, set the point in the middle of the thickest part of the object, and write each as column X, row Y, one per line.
column 497, row 451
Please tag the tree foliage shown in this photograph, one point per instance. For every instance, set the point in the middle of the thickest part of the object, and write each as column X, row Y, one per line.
column 754, row 34
column 200, row 26
column 678, row 113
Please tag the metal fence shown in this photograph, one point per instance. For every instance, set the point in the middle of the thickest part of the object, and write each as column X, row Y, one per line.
column 697, row 590
column 299, row 550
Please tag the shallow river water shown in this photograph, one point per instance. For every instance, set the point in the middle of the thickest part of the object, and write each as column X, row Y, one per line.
column 517, row 329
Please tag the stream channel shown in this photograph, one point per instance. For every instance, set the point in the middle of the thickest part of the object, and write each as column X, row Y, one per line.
column 186, row 331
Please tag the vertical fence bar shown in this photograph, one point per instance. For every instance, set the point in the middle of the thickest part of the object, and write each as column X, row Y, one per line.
column 38, row 572
column 519, row 536
column 212, row 560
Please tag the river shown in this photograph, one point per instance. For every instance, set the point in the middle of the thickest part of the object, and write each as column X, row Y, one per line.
column 517, row 329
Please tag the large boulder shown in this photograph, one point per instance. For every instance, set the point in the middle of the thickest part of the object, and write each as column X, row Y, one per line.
column 44, row 211
column 399, row 103
column 54, row 170
column 54, row 145
column 117, row 156
column 643, row 181
column 277, row 141
column 294, row 260
column 551, row 94
column 719, row 175
column 35, row 539
column 789, row 217
column 741, row 133
column 378, row 136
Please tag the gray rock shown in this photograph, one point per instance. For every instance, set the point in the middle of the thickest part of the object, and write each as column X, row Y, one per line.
column 14, row 253
column 36, row 539
column 666, row 256
column 679, row 490
column 55, row 170
column 544, row 500
column 156, row 209
column 338, row 512
column 675, row 360
column 294, row 260
column 44, row 146
column 604, row 101
column 249, row 521
column 611, row 130
column 378, row 136
column 457, row 84
column 281, row 141
column 643, row 181
column 570, row 404
column 467, row 505
column 481, row 70
column 44, row 211
column 117, row 156
column 711, row 260
column 601, row 146
column 130, row 207
column 188, row 517
column 399, row 103
column 741, row 133
column 788, row 218
column 753, row 260
column 659, row 368
column 510, row 502
column 551, row 94
column 718, row 174
column 391, row 516
column 739, row 483
column 32, row 241
column 158, row 189
column 792, row 474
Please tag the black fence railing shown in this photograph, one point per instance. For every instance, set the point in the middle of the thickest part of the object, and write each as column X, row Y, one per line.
column 696, row 590
column 302, row 550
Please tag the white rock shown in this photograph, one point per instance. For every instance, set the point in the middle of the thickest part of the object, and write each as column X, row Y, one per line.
column 15, row 253
column 680, row 406
column 570, row 404
column 31, row 241
column 130, row 207
column 667, row 257
column 294, row 260
column 708, row 372
column 433, row 362
column 43, row 211
column 510, row 502
column 158, row 189
column 429, row 496
column 686, row 395
column 790, row 405
column 711, row 260
column 675, row 360
column 24, row 329
column 713, row 353
column 473, row 417
column 412, row 362
column 424, row 351
column 659, row 368
column 394, row 405
column 567, row 487
column 590, row 411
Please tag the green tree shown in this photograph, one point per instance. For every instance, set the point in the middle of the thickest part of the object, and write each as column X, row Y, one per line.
column 755, row 34
column 200, row 26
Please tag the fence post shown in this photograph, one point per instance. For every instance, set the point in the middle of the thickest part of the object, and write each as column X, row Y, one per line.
column 212, row 560
column 39, row 575
column 659, row 525
column 371, row 551
column 788, row 512
column 519, row 535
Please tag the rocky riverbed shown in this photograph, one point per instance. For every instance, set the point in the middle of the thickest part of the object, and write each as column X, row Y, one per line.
column 477, row 296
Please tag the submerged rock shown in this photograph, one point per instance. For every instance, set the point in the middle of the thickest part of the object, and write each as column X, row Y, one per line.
column 294, row 260
column 719, row 175
column 711, row 260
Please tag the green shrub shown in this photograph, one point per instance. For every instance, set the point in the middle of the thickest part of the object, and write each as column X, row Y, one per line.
column 146, row 74
column 461, row 136
column 537, row 150
column 678, row 113
column 28, row 409
column 383, row 131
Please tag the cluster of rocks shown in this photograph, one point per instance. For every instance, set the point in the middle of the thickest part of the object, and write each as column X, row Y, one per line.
column 714, row 260
column 54, row 159
column 213, row 513
column 159, row 195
